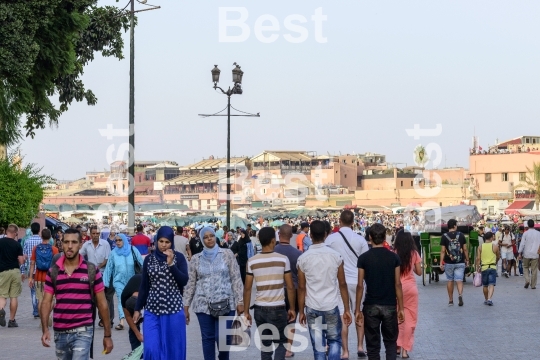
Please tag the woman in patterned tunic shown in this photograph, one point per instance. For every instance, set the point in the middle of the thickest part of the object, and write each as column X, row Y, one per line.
column 214, row 276
column 164, row 276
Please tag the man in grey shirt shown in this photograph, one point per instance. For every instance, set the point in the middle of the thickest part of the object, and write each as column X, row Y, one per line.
column 528, row 251
column 181, row 243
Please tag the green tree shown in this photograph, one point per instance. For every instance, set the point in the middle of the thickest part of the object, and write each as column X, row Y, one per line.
column 21, row 191
column 532, row 182
column 44, row 47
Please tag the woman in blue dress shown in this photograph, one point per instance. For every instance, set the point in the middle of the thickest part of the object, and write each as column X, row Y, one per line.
column 164, row 275
column 120, row 268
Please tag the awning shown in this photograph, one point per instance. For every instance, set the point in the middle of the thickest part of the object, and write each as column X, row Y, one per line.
column 519, row 205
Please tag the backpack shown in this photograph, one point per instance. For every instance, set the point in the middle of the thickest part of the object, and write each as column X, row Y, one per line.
column 454, row 251
column 44, row 256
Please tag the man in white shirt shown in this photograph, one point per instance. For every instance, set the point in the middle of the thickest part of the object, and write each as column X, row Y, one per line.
column 507, row 252
column 528, row 251
column 318, row 269
column 354, row 246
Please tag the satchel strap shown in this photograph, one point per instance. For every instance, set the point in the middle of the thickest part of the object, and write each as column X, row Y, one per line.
column 347, row 242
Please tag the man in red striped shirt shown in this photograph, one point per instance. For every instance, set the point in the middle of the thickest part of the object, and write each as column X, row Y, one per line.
column 73, row 321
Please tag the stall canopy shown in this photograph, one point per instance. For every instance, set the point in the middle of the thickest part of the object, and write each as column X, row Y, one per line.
column 519, row 205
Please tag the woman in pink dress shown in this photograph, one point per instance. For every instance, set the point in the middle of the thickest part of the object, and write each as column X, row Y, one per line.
column 410, row 262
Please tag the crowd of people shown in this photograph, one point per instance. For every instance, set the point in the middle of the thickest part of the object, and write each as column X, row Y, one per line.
column 336, row 270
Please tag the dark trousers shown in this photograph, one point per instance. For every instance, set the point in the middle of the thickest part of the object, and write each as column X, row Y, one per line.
column 210, row 336
column 135, row 343
column 381, row 319
column 276, row 316
column 243, row 273
column 109, row 295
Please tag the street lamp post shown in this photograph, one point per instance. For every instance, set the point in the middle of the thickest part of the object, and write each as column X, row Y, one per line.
column 236, row 89
column 131, row 167
column 237, row 75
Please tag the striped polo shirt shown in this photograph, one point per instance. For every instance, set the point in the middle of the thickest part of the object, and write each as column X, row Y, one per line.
column 269, row 269
column 73, row 307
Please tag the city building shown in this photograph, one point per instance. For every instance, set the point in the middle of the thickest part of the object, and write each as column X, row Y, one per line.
column 497, row 178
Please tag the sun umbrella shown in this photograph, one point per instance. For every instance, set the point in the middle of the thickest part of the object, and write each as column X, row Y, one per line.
column 237, row 221
column 276, row 223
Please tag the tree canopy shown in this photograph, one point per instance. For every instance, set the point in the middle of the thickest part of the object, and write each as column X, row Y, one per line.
column 532, row 182
column 21, row 191
column 44, row 47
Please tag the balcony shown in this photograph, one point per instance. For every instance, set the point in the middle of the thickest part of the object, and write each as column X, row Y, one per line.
column 190, row 191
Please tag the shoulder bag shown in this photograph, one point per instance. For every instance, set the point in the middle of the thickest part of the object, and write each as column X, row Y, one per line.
column 137, row 266
column 349, row 245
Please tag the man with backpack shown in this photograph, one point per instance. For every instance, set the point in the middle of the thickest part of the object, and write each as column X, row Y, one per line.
column 31, row 242
column 454, row 258
column 40, row 263
column 78, row 288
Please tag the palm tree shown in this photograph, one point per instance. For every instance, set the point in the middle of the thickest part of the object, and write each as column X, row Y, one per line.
column 532, row 182
column 420, row 155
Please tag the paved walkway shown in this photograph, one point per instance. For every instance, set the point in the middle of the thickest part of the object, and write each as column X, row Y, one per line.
column 508, row 330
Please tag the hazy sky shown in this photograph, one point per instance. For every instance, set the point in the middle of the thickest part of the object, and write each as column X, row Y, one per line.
column 385, row 66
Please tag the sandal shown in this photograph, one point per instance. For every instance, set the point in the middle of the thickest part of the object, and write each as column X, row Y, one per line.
column 119, row 327
column 100, row 324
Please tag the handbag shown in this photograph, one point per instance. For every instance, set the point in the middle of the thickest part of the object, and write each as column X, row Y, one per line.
column 240, row 332
column 138, row 267
column 477, row 280
column 219, row 308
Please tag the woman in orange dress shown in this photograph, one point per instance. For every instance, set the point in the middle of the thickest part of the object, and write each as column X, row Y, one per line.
column 410, row 264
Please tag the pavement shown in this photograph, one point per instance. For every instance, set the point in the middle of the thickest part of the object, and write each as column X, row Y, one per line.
column 506, row 330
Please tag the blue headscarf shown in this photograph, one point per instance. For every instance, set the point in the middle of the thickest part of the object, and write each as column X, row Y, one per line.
column 26, row 236
column 209, row 253
column 164, row 232
column 125, row 250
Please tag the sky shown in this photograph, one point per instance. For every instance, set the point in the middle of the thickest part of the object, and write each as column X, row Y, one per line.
column 353, row 80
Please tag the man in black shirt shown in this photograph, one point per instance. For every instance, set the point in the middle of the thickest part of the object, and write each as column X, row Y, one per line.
column 195, row 244
column 379, row 268
column 454, row 257
column 11, row 258
column 128, row 299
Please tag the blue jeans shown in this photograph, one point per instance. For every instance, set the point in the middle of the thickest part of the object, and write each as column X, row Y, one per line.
column 489, row 277
column 73, row 346
column 34, row 301
column 454, row 272
column 210, row 336
column 316, row 321
column 520, row 266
